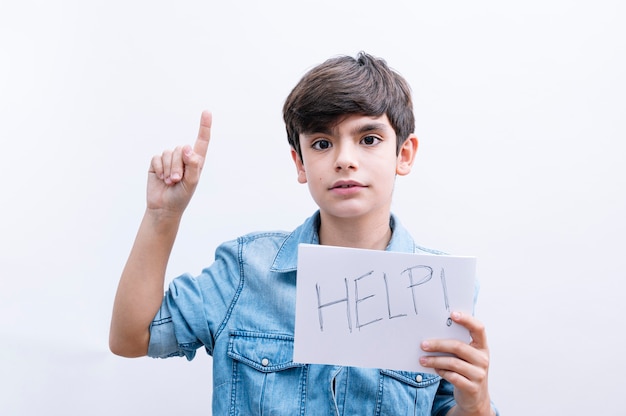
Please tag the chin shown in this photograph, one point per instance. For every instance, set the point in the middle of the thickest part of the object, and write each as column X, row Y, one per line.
column 347, row 212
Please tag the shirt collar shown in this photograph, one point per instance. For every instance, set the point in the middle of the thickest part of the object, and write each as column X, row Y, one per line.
column 286, row 259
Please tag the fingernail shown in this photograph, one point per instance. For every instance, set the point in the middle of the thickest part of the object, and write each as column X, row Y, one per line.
column 175, row 176
column 425, row 345
column 423, row 360
column 456, row 315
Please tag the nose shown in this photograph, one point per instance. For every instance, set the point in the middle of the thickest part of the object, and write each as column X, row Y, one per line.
column 346, row 157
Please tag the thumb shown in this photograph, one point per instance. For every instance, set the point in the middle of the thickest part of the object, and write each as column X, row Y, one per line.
column 193, row 165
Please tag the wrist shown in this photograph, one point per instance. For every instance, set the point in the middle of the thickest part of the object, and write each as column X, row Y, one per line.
column 162, row 220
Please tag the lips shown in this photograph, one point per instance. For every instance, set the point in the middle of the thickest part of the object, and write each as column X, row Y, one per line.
column 346, row 185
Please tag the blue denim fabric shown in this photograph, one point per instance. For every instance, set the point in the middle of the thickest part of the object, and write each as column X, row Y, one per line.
column 242, row 310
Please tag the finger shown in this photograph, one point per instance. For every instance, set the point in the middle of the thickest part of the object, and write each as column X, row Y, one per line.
column 177, row 167
column 475, row 327
column 204, row 134
column 454, row 351
column 460, row 381
column 453, row 368
column 156, row 166
column 458, row 349
column 166, row 161
column 193, row 166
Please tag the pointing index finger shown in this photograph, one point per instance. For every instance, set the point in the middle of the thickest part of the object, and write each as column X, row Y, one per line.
column 204, row 134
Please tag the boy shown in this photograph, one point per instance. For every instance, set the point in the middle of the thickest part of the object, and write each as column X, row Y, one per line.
column 350, row 126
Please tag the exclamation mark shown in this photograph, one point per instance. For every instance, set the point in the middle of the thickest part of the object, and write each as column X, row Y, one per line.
column 445, row 296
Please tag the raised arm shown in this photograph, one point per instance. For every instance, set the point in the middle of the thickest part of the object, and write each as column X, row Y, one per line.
column 172, row 180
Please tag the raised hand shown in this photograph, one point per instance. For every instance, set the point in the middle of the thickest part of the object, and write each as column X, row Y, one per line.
column 467, row 370
column 172, row 180
column 174, row 175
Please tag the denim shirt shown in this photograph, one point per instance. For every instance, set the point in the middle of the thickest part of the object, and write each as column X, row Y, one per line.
column 242, row 310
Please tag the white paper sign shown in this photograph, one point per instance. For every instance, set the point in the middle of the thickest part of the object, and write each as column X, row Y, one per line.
column 370, row 308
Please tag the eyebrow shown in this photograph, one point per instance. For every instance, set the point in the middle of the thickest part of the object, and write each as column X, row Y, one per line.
column 374, row 126
column 364, row 128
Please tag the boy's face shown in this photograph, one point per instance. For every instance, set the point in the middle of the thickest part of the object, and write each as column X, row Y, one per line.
column 351, row 168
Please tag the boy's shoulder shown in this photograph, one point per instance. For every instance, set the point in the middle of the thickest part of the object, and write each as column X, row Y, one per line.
column 275, row 250
column 267, row 235
column 263, row 241
column 278, row 247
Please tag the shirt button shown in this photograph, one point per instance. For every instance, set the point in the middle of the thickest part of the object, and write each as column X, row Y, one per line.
column 418, row 378
column 265, row 362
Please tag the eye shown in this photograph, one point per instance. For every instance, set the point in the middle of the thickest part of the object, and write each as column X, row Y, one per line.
column 321, row 144
column 370, row 140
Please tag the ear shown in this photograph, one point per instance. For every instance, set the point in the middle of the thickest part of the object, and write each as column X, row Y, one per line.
column 299, row 166
column 406, row 156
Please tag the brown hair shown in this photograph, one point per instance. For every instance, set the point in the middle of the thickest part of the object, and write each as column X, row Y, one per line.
column 343, row 86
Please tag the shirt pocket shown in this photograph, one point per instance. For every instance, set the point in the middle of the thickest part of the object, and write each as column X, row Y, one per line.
column 265, row 378
column 406, row 392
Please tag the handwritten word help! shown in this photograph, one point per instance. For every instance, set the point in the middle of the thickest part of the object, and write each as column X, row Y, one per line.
column 376, row 296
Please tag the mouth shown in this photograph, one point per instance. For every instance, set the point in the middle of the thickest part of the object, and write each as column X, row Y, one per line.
column 346, row 185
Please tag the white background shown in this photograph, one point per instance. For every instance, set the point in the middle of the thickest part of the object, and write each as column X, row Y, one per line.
column 520, row 113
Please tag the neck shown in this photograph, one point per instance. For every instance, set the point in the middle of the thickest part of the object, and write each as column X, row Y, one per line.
column 368, row 233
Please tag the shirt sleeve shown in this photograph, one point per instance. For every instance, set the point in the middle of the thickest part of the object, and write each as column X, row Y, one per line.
column 163, row 342
column 194, row 307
